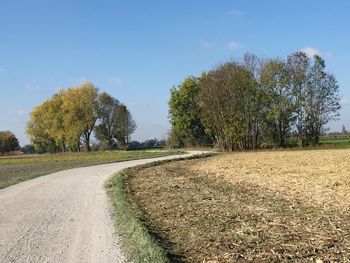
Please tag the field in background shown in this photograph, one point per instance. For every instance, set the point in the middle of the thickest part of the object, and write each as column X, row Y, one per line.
column 277, row 206
column 20, row 168
column 336, row 141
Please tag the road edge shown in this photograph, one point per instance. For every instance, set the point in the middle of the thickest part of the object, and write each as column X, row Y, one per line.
column 136, row 242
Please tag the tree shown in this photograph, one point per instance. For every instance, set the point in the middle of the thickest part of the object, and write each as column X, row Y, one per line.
column 64, row 119
column 227, row 96
column 54, row 122
column 344, row 130
column 8, row 142
column 241, row 105
column 277, row 101
column 322, row 100
column 107, row 110
column 80, row 108
column 123, row 126
column 254, row 64
column 38, row 130
column 298, row 68
column 69, row 118
column 28, row 149
column 185, row 115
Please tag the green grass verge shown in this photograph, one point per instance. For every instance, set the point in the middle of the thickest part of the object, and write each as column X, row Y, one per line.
column 136, row 240
column 137, row 244
column 17, row 169
column 345, row 141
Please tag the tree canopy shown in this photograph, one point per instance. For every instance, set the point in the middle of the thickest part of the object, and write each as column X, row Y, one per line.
column 255, row 103
column 68, row 119
column 185, row 117
column 8, row 142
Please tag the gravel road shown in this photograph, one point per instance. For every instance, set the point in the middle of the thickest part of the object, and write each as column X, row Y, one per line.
column 62, row 217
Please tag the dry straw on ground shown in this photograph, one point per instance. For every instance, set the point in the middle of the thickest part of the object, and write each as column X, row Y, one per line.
column 283, row 206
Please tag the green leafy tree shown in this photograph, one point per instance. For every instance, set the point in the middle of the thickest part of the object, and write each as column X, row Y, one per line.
column 185, row 115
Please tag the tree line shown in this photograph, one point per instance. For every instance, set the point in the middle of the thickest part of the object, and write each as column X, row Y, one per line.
column 67, row 120
column 255, row 103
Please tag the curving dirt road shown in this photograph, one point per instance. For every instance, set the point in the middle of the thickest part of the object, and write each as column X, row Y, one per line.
column 61, row 217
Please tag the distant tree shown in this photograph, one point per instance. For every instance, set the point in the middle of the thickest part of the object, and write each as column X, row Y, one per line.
column 123, row 126
column 54, row 122
column 68, row 119
column 277, row 101
column 150, row 143
column 185, row 115
column 242, row 104
column 228, row 97
column 8, row 142
column 64, row 119
column 344, row 130
column 80, row 108
column 135, row 145
column 254, row 64
column 28, row 149
column 298, row 68
column 322, row 100
column 38, row 129
column 160, row 143
column 107, row 110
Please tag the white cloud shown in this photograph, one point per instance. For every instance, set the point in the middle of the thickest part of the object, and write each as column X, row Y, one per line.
column 32, row 88
column 236, row 12
column 78, row 81
column 328, row 54
column 20, row 112
column 206, row 44
column 311, row 52
column 345, row 102
column 234, row 45
column 116, row 81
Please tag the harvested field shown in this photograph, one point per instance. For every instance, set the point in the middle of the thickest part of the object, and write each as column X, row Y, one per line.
column 278, row 206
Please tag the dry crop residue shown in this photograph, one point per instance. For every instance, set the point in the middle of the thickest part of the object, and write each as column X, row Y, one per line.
column 283, row 206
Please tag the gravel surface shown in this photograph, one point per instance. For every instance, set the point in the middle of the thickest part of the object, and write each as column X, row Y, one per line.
column 62, row 217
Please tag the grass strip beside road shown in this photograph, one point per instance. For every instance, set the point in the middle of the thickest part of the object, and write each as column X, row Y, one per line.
column 21, row 168
column 138, row 241
column 137, row 244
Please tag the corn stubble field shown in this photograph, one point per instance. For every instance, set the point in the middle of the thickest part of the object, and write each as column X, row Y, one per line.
column 277, row 206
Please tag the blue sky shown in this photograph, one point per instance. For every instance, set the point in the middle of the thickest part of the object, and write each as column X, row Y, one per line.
column 137, row 50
